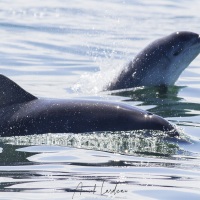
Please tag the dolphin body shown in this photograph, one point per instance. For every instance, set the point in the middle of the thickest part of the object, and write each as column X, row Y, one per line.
column 21, row 113
column 160, row 63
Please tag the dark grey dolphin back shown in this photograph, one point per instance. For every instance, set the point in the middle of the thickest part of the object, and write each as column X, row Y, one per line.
column 11, row 93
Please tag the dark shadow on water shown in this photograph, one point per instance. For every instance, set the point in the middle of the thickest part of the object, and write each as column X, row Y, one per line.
column 166, row 100
column 138, row 144
column 10, row 156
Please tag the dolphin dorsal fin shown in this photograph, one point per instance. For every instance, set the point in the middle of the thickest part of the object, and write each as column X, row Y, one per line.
column 11, row 93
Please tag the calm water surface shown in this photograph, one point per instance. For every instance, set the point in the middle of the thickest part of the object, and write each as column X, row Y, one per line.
column 72, row 49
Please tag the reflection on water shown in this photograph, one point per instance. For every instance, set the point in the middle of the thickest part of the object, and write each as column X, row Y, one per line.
column 166, row 100
column 132, row 161
column 56, row 169
column 10, row 156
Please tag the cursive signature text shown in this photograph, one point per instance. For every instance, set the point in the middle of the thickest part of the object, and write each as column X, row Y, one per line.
column 103, row 189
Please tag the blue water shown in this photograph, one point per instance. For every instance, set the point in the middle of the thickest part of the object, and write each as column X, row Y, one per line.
column 72, row 49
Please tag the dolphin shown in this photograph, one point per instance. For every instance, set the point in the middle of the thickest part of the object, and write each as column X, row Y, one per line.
column 21, row 113
column 160, row 63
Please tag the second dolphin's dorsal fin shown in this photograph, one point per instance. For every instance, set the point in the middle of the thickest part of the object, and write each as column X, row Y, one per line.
column 11, row 93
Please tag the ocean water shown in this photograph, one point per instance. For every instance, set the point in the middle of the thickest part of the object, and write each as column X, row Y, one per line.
column 72, row 49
